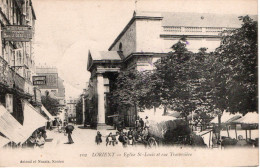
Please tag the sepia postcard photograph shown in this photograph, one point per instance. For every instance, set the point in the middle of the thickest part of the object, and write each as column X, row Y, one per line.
column 129, row 83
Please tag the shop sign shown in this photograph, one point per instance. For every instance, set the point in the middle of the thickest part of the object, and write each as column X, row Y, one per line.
column 17, row 33
column 51, row 81
column 39, row 80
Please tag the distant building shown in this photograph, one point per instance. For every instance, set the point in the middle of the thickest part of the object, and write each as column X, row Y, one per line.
column 54, row 84
column 146, row 38
column 71, row 108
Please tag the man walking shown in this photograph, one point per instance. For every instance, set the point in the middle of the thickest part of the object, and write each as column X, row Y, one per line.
column 69, row 130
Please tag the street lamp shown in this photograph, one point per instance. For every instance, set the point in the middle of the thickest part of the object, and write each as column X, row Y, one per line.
column 83, row 106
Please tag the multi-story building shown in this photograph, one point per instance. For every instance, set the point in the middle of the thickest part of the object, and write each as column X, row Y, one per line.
column 54, row 84
column 147, row 37
column 71, row 108
column 17, row 64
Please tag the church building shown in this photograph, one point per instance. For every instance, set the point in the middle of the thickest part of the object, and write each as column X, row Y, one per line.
column 146, row 38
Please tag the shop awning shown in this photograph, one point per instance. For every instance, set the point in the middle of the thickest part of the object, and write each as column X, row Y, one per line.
column 10, row 127
column 32, row 119
column 249, row 118
column 47, row 113
column 227, row 118
column 3, row 141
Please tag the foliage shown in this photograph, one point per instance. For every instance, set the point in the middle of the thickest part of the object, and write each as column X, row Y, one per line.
column 202, row 82
column 237, row 59
column 132, row 88
column 51, row 104
column 79, row 111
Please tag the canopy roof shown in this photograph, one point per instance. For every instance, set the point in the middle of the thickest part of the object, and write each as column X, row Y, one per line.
column 226, row 118
column 47, row 113
column 10, row 127
column 3, row 141
column 249, row 118
column 32, row 119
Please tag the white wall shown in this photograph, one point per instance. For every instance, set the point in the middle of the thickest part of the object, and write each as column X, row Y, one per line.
column 148, row 36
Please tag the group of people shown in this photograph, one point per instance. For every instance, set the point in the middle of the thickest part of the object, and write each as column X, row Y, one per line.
column 37, row 139
column 140, row 123
column 134, row 135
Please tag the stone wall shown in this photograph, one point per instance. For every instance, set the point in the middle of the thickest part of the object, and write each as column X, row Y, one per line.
column 128, row 41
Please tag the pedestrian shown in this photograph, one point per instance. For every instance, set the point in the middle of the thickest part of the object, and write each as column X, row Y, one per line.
column 137, row 123
column 40, row 140
column 48, row 125
column 98, row 138
column 130, row 137
column 69, row 130
column 141, row 123
column 125, row 140
column 146, row 123
column 117, row 137
column 145, row 133
column 109, row 139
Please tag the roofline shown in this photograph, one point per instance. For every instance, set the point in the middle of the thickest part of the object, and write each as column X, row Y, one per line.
column 130, row 23
column 103, row 62
column 143, row 53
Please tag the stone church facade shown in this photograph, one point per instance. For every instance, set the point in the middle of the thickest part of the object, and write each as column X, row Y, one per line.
column 146, row 38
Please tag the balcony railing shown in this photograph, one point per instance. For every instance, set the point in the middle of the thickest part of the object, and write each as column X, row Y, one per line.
column 11, row 79
column 178, row 30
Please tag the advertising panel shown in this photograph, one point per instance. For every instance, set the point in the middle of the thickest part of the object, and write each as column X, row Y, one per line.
column 51, row 81
column 17, row 33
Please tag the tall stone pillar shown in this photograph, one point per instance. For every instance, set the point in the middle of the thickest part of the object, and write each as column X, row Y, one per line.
column 101, row 101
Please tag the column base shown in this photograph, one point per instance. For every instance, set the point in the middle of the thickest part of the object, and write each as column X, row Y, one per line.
column 103, row 126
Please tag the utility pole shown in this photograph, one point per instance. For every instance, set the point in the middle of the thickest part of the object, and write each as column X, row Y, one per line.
column 83, row 107
column 83, row 110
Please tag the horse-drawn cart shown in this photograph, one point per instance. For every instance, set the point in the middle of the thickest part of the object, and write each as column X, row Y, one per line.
column 171, row 131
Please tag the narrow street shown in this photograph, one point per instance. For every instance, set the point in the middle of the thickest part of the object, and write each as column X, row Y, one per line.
column 84, row 152
column 83, row 138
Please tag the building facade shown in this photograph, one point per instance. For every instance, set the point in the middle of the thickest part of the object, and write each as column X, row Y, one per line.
column 17, row 64
column 71, row 108
column 54, row 84
column 146, row 38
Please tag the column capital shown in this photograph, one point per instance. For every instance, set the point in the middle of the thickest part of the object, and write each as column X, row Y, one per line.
column 103, row 70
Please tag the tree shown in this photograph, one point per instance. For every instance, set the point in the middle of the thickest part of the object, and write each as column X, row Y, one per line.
column 175, row 76
column 237, row 55
column 51, row 104
column 79, row 111
column 131, row 89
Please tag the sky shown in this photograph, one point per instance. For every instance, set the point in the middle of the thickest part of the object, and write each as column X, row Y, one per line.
column 67, row 29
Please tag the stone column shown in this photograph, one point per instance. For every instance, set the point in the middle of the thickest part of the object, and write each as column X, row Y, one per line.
column 101, row 101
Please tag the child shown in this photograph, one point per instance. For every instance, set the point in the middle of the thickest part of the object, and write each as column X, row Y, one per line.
column 98, row 138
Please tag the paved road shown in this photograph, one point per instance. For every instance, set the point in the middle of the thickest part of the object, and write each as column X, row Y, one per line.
column 82, row 137
column 84, row 152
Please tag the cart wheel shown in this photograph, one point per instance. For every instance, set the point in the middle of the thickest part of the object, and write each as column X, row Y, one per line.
column 152, row 142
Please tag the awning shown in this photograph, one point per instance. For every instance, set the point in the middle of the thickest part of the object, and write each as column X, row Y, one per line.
column 10, row 127
column 3, row 141
column 227, row 118
column 249, row 118
column 47, row 113
column 32, row 119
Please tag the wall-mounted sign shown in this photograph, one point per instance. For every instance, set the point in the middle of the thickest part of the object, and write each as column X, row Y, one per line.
column 51, row 81
column 17, row 33
column 39, row 80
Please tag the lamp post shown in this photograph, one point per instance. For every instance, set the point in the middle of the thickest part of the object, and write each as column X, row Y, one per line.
column 83, row 107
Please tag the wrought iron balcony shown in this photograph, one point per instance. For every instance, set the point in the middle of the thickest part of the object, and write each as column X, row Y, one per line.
column 12, row 80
